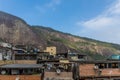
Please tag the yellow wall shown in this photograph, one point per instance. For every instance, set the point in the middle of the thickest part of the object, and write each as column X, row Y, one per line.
column 51, row 50
column 74, row 58
column 64, row 61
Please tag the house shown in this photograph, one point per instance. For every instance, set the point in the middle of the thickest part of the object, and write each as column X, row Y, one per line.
column 43, row 56
column 25, row 56
column 7, row 45
column 51, row 50
column 58, row 71
column 19, row 46
column 77, row 56
column 100, row 70
column 114, row 57
column 61, row 55
column 20, row 69
column 19, row 51
column 6, row 53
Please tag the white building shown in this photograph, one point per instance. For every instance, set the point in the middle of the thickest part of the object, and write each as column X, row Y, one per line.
column 3, row 44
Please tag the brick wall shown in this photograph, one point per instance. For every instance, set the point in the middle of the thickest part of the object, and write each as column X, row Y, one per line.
column 21, row 77
column 17, row 62
column 62, row 75
column 86, row 70
column 6, row 62
column 25, row 61
column 110, row 72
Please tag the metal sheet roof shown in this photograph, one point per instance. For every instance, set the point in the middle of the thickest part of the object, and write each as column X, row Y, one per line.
column 21, row 66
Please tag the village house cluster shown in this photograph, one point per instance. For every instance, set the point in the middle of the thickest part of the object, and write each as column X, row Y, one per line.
column 22, row 62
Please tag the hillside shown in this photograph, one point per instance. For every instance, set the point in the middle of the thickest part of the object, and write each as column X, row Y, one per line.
column 95, row 49
column 16, row 31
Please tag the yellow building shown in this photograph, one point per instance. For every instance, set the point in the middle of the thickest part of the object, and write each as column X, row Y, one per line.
column 51, row 50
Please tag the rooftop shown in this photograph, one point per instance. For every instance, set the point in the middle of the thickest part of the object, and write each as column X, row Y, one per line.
column 21, row 66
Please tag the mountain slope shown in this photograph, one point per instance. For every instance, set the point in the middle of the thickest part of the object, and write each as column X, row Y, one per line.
column 17, row 31
column 95, row 49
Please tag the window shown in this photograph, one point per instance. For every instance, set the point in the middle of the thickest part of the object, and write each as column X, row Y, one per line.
column 114, row 65
column 108, row 65
column 102, row 65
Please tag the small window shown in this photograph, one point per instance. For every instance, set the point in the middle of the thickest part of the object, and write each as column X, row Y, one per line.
column 114, row 65
column 109, row 65
column 80, row 57
column 102, row 65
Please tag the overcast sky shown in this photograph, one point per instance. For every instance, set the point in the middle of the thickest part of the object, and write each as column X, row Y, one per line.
column 97, row 19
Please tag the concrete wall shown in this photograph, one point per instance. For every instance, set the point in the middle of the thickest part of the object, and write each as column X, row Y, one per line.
column 1, row 56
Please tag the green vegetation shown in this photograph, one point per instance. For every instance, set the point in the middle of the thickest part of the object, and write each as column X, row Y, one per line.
column 87, row 46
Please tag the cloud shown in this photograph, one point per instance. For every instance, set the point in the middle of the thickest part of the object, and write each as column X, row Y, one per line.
column 48, row 6
column 105, row 26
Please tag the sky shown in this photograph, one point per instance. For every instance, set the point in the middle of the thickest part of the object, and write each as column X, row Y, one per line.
column 96, row 19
